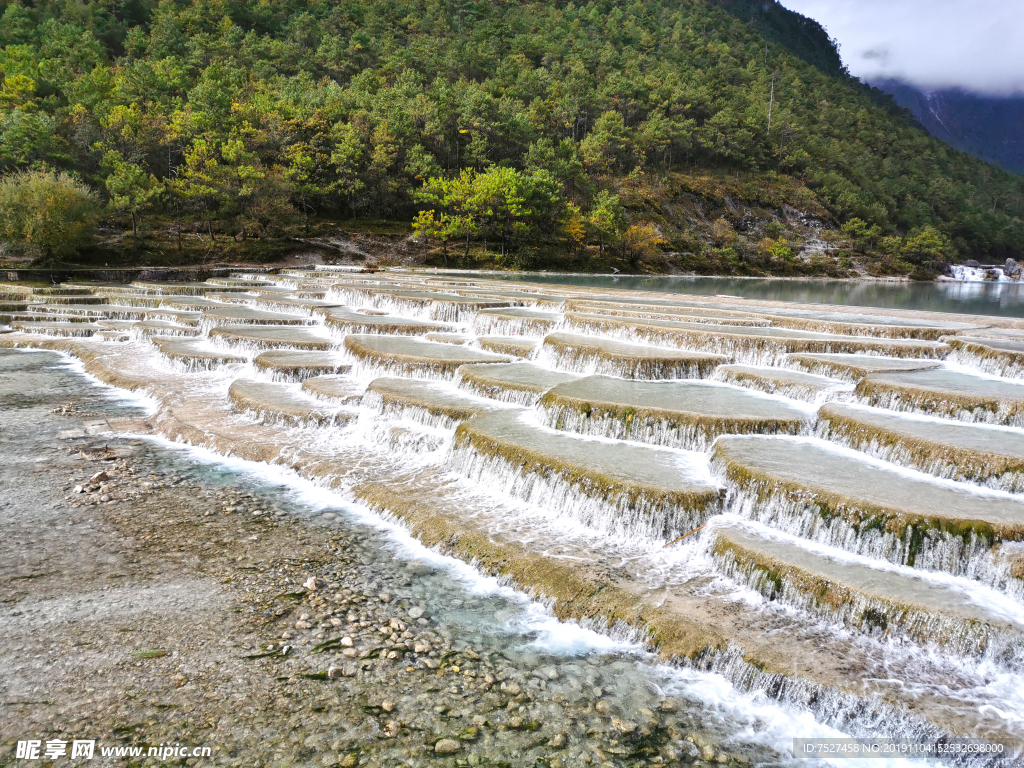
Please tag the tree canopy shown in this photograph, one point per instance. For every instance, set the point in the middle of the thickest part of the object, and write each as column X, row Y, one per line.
column 494, row 120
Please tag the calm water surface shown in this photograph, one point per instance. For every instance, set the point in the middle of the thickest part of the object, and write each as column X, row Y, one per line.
column 1003, row 299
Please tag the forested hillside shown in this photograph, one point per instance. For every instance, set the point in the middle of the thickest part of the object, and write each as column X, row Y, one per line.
column 659, row 135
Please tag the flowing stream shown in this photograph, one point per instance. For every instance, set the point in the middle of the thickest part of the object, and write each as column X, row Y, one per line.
column 842, row 579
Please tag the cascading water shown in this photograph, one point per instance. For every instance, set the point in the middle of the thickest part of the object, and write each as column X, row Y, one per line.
column 554, row 493
column 966, row 274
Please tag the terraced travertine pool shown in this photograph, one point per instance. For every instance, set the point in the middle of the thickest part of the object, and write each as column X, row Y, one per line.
column 846, row 482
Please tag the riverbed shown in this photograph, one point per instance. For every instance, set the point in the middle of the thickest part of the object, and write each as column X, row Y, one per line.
column 361, row 489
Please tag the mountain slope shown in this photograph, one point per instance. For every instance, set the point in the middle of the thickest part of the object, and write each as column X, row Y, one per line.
column 987, row 127
column 722, row 146
column 802, row 36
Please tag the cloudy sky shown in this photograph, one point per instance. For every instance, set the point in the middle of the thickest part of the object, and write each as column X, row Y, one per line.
column 977, row 45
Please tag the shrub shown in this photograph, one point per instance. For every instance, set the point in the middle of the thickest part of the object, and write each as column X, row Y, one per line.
column 46, row 213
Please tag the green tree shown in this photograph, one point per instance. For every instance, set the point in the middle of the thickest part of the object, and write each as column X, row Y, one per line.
column 225, row 181
column 607, row 220
column 454, row 196
column 775, row 248
column 862, row 234
column 131, row 189
column 47, row 214
column 430, row 224
column 28, row 138
column 348, row 160
column 608, row 147
column 927, row 245
column 512, row 205
column 501, row 203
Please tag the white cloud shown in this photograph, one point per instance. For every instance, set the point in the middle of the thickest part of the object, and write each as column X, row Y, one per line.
column 977, row 45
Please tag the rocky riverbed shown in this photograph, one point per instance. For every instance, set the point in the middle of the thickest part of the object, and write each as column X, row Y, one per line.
column 148, row 597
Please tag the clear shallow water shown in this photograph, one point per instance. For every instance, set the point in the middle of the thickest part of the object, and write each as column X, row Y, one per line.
column 871, row 660
column 578, row 664
column 1001, row 299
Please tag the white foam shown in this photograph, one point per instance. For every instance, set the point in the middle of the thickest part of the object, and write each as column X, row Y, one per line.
column 997, row 604
column 134, row 398
column 908, row 472
column 759, row 719
column 554, row 636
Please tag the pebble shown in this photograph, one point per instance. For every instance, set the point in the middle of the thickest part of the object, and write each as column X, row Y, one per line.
column 623, row 726
column 671, row 705
column 355, row 602
column 447, row 747
column 549, row 673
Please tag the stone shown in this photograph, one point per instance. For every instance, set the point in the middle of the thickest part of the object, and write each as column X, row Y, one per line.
column 388, row 706
column 347, row 642
column 314, row 583
column 414, row 613
column 447, row 747
column 99, row 477
column 972, row 263
column 623, row 726
column 350, row 760
column 557, row 741
column 671, row 705
column 688, row 751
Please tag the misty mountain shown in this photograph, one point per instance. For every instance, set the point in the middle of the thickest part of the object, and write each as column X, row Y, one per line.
column 988, row 127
